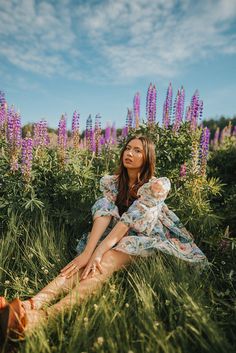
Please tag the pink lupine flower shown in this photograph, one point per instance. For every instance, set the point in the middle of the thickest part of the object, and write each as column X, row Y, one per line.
column 136, row 105
column 108, row 134
column 27, row 157
column 179, row 109
column 14, row 138
column 216, row 138
column 3, row 120
column 188, row 113
column 41, row 137
column 183, row 170
column 204, row 148
column 113, row 134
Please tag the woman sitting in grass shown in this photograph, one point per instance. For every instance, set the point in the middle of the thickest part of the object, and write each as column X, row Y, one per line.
column 130, row 220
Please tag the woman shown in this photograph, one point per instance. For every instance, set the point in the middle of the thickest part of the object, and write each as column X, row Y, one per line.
column 131, row 219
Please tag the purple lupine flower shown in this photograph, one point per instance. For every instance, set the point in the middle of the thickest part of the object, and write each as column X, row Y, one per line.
column 14, row 129
column 183, row 170
column 89, row 132
column 200, row 109
column 62, row 140
column 113, row 134
column 3, row 101
column 3, row 120
column 124, row 133
column 154, row 105
column 14, row 137
column 75, row 129
column 108, row 133
column 194, row 110
column 41, row 137
column 27, row 157
column 102, row 140
column 234, row 131
column 97, row 133
column 151, row 104
column 178, row 109
column 136, row 105
column 93, row 141
column 129, row 119
column 204, row 148
column 167, row 108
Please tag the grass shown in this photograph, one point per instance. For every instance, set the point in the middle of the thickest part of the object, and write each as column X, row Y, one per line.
column 158, row 304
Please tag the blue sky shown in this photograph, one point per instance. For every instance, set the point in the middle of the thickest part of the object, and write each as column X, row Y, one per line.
column 93, row 56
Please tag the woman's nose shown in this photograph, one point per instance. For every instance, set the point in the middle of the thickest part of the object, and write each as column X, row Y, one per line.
column 129, row 152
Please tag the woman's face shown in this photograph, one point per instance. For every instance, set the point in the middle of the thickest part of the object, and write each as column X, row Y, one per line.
column 133, row 156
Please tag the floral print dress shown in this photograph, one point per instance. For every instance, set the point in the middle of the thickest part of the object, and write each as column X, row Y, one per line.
column 152, row 226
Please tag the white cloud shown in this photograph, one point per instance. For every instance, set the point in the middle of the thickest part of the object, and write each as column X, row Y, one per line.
column 139, row 39
column 36, row 36
column 114, row 40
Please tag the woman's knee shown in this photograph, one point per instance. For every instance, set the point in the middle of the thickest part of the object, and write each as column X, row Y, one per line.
column 113, row 260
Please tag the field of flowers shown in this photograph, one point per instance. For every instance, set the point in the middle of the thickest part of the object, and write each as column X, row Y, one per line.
column 159, row 304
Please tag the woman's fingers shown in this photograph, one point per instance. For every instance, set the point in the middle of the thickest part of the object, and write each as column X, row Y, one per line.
column 67, row 266
column 71, row 268
column 99, row 267
column 92, row 267
column 86, row 272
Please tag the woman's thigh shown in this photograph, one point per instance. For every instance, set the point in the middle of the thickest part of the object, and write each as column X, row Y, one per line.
column 114, row 260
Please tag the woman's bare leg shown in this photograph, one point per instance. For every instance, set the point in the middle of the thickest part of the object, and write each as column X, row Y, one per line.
column 62, row 284
column 112, row 261
column 51, row 291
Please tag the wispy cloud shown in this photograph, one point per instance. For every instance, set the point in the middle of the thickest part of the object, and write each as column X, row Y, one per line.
column 37, row 37
column 161, row 37
column 114, row 40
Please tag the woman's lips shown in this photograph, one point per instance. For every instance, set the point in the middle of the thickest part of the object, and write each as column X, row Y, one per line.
column 127, row 160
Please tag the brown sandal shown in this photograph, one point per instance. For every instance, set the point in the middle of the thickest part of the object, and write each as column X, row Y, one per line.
column 13, row 320
column 3, row 302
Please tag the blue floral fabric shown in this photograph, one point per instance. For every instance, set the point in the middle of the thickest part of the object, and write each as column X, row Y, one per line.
column 152, row 225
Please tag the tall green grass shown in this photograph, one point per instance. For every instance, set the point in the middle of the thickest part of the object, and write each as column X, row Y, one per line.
column 157, row 304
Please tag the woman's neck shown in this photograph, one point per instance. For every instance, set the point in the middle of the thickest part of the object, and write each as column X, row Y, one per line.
column 133, row 176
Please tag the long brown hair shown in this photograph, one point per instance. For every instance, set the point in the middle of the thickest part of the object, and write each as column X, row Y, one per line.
column 125, row 195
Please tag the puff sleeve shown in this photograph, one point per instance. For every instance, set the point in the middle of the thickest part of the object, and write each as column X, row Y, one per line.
column 144, row 212
column 105, row 206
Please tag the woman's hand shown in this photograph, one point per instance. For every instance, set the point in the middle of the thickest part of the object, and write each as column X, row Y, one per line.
column 94, row 262
column 75, row 265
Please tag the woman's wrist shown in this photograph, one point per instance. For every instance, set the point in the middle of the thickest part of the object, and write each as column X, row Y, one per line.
column 87, row 252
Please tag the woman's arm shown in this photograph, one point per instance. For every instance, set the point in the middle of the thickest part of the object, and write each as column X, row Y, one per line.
column 100, row 224
column 112, row 238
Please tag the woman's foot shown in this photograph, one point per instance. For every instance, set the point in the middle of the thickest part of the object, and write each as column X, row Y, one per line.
column 12, row 320
column 16, row 319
